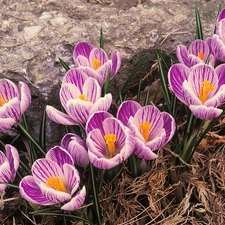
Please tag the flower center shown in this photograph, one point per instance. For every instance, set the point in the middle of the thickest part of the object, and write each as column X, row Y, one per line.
column 110, row 141
column 56, row 183
column 83, row 97
column 96, row 63
column 145, row 130
column 204, row 90
column 2, row 101
column 201, row 55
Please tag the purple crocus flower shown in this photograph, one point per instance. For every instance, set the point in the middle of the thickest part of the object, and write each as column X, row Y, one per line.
column 13, row 102
column 217, row 41
column 202, row 88
column 152, row 129
column 9, row 164
column 109, row 141
column 80, row 96
column 54, row 180
column 90, row 59
column 76, row 147
column 198, row 52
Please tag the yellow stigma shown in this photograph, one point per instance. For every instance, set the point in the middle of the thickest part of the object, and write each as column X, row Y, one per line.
column 110, row 141
column 145, row 130
column 96, row 63
column 204, row 90
column 83, row 97
column 2, row 101
column 56, row 183
column 201, row 55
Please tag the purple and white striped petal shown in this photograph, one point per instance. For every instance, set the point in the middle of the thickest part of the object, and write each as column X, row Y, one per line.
column 8, row 89
column 76, row 201
column 11, row 109
column 54, row 195
column 60, row 156
column 126, row 110
column 76, row 77
column 31, row 192
column 59, row 117
column 82, row 48
column 189, row 95
column 6, row 123
column 13, row 159
column 102, row 104
column 95, row 121
column 5, row 170
column 221, row 16
column 25, row 96
column 97, row 150
column 221, row 30
column 220, row 71
column 79, row 110
column 144, row 152
column 92, row 89
column 177, row 74
column 169, row 126
column 92, row 73
column 42, row 169
column 82, row 61
column 218, row 47
column 199, row 46
column 99, row 54
column 76, row 146
column 72, row 178
column 205, row 113
column 68, row 91
column 201, row 73
column 217, row 99
column 104, row 70
column 182, row 55
column 116, row 62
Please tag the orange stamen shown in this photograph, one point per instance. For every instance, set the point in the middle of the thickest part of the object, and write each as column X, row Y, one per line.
column 83, row 97
column 204, row 90
column 96, row 63
column 201, row 55
column 56, row 183
column 110, row 141
column 145, row 130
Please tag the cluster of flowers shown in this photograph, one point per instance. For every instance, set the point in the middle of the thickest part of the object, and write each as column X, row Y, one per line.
column 109, row 140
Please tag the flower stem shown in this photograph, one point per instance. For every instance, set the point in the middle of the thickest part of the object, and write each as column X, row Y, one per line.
column 96, row 201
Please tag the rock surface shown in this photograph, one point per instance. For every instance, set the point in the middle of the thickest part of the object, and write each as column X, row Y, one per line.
column 35, row 34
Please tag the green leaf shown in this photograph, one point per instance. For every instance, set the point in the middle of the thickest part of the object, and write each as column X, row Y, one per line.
column 164, row 80
column 42, row 133
column 65, row 66
column 199, row 34
column 106, row 85
column 101, row 39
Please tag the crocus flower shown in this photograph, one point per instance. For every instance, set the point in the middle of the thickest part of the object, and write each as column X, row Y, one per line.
column 151, row 128
column 54, row 180
column 217, row 41
column 9, row 164
column 76, row 147
column 109, row 141
column 95, row 59
column 13, row 102
column 202, row 88
column 198, row 52
column 80, row 96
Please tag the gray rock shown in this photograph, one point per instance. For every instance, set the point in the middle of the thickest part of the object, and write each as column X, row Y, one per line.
column 35, row 34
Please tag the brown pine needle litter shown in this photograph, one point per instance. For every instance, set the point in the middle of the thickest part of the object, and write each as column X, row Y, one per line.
column 196, row 196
